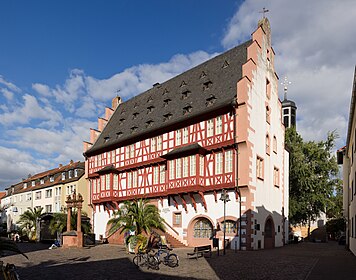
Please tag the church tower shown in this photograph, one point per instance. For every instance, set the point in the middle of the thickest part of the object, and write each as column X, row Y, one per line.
column 289, row 109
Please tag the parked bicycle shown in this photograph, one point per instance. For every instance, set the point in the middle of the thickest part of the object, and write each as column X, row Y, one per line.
column 146, row 258
column 165, row 256
column 8, row 272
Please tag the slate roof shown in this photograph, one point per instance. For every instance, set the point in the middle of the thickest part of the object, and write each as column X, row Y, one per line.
column 206, row 87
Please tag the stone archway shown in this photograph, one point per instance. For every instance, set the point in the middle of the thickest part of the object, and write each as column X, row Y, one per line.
column 269, row 234
column 199, row 231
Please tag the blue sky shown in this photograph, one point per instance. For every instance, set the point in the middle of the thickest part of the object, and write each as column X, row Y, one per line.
column 61, row 62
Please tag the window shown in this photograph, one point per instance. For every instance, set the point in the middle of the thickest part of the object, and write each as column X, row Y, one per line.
column 192, row 165
column 70, row 189
column 276, row 176
column 70, row 174
column 259, row 168
column 63, row 175
column 116, row 182
column 155, row 175
column 268, row 114
column 94, row 186
column 218, row 127
column 177, row 219
column 218, row 163
column 24, row 185
column 178, row 137
column 134, row 179
column 28, row 197
column 162, row 174
column 38, row 195
column 210, row 128
column 275, row 144
column 178, row 168
column 48, row 193
column 268, row 144
column 201, row 165
column 58, row 191
column 42, row 181
column 48, row 208
column 107, row 182
column 230, row 226
column 51, row 178
column 228, row 160
column 33, row 183
column 75, row 172
column 153, row 145
column 159, row 143
column 268, row 89
column 185, row 167
column 171, row 169
column 185, row 135
column 203, row 229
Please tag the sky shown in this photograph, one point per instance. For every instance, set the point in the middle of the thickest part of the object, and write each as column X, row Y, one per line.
column 61, row 63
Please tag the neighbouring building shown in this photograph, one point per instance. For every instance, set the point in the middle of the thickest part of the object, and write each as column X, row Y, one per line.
column 48, row 189
column 214, row 128
column 346, row 157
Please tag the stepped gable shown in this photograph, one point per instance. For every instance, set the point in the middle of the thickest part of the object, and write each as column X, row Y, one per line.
column 207, row 87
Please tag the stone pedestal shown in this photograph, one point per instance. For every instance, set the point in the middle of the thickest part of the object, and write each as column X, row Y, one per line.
column 72, row 239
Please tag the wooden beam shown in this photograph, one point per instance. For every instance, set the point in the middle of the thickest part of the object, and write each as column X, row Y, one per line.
column 116, row 204
column 215, row 196
column 184, row 203
column 193, row 202
column 203, row 200
column 175, row 202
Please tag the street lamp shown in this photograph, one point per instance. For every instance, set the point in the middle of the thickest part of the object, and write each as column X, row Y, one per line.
column 224, row 197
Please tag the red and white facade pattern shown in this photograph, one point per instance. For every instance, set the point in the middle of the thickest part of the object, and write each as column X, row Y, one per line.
column 184, row 171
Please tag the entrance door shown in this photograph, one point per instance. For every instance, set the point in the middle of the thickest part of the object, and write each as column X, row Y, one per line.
column 269, row 234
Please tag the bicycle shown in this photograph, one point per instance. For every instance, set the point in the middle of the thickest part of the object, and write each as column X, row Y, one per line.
column 170, row 259
column 146, row 259
column 8, row 272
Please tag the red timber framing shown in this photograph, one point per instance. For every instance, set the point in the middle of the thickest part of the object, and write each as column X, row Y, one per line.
column 187, row 161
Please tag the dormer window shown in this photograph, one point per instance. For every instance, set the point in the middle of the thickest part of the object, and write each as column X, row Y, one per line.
column 118, row 134
column 51, row 178
column 150, row 99
column 70, row 174
column 185, row 94
column 226, row 64
column 167, row 116
column 207, row 85
column 63, row 175
column 149, row 123
column 134, row 129
column 165, row 91
column 166, row 101
column 202, row 75
column 136, row 105
column 106, row 139
column 24, row 185
column 150, row 109
column 42, row 181
column 121, row 121
column 123, row 111
column 75, row 172
column 187, row 109
column 210, row 100
column 33, row 183
column 183, row 84
column 135, row 115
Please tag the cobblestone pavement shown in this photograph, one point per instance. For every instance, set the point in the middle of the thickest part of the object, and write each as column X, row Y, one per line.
column 311, row 261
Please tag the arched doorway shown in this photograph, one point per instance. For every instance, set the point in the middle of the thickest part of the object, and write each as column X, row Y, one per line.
column 269, row 238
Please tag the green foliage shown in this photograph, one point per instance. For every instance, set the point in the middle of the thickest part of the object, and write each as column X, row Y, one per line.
column 335, row 227
column 9, row 245
column 312, row 176
column 59, row 222
column 136, row 215
column 28, row 221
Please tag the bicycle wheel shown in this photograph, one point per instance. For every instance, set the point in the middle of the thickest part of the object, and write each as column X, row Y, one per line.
column 172, row 260
column 153, row 262
column 138, row 260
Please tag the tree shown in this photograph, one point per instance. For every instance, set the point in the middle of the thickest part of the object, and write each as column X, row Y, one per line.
column 136, row 215
column 28, row 221
column 312, row 177
column 59, row 222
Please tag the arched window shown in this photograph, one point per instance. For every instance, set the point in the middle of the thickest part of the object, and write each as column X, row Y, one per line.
column 275, row 144
column 268, row 144
column 203, row 228
column 231, row 226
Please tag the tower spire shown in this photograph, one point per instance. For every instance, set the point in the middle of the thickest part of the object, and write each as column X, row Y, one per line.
column 285, row 86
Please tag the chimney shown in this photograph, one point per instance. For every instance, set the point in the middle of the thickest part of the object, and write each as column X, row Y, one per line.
column 71, row 162
column 157, row 85
column 116, row 101
column 60, row 165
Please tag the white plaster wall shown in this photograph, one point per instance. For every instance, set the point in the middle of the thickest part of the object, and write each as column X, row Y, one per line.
column 101, row 219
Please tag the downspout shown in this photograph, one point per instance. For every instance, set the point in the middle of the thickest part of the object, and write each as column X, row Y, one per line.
column 235, row 106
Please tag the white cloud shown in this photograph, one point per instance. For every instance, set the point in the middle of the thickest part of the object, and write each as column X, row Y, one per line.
column 315, row 44
column 9, row 85
column 9, row 95
column 30, row 110
column 42, row 89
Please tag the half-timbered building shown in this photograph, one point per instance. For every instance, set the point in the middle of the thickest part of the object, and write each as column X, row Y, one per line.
column 216, row 127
